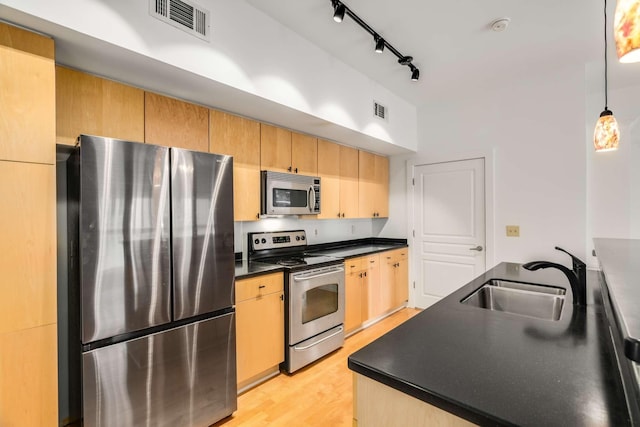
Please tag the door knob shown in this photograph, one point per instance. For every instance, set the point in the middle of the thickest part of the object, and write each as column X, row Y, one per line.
column 477, row 248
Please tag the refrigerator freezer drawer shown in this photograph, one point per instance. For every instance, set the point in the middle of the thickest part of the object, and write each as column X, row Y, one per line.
column 181, row 377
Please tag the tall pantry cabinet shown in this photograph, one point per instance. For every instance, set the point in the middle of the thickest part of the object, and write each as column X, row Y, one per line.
column 28, row 321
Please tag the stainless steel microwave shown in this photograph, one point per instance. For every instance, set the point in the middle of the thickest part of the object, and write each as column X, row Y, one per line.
column 289, row 194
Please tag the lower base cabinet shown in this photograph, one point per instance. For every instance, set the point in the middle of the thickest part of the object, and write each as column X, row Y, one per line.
column 259, row 326
column 378, row 405
column 375, row 284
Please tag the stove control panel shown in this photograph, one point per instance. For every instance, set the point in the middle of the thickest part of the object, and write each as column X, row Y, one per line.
column 277, row 239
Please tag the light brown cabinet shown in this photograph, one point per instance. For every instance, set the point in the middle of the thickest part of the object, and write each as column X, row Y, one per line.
column 354, row 314
column 375, row 284
column 27, row 97
column 284, row 151
column 174, row 123
column 239, row 137
column 259, row 326
column 91, row 105
column 28, row 329
column 373, row 185
column 395, row 276
column 338, row 169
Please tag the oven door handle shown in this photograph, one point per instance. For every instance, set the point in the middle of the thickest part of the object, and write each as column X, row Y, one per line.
column 306, row 347
column 301, row 279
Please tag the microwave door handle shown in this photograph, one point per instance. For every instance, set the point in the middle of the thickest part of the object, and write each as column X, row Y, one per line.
column 311, row 198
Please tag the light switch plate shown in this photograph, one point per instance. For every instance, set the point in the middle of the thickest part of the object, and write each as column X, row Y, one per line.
column 513, row 231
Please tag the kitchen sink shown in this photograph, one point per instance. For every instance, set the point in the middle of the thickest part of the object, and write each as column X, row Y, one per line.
column 525, row 299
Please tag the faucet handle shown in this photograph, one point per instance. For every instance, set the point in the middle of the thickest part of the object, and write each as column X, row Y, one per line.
column 578, row 264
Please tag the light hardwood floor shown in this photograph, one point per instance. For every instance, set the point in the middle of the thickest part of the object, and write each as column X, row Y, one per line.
column 319, row 395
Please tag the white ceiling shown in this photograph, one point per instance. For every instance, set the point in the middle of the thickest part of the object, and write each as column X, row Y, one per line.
column 452, row 43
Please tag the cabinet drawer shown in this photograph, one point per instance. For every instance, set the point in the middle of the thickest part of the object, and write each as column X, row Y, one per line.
column 258, row 286
column 353, row 265
column 394, row 255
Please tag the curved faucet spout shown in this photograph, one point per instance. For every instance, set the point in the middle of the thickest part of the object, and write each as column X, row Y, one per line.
column 578, row 286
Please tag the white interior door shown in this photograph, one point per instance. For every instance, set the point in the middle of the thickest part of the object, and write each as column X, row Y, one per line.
column 449, row 226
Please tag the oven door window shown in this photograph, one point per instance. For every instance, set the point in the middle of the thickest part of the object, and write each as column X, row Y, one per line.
column 319, row 302
column 289, row 198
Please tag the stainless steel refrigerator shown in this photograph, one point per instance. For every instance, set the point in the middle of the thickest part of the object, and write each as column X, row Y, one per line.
column 151, row 253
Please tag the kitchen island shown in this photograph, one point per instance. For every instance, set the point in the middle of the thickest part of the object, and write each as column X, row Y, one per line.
column 496, row 368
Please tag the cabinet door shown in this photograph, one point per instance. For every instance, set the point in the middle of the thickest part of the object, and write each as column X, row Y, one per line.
column 354, row 276
column 387, row 295
column 239, row 137
column 304, row 154
column 90, row 105
column 329, row 172
column 372, row 286
column 259, row 335
column 381, row 207
column 366, row 184
column 27, row 97
column 174, row 123
column 275, row 148
column 402, row 281
column 349, row 165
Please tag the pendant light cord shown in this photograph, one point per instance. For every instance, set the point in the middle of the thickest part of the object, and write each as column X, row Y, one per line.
column 605, row 57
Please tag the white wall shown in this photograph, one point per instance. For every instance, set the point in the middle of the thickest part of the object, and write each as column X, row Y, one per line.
column 614, row 177
column 249, row 52
column 534, row 125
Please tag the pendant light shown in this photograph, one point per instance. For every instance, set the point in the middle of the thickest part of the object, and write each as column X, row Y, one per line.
column 627, row 30
column 606, row 136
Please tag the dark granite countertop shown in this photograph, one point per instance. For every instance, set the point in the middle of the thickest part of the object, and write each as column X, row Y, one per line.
column 343, row 249
column 620, row 263
column 496, row 368
column 246, row 269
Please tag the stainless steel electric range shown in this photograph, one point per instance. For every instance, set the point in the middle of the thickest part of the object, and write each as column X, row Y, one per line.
column 314, row 295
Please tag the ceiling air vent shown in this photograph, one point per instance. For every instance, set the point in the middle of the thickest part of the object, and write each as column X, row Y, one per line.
column 380, row 111
column 186, row 15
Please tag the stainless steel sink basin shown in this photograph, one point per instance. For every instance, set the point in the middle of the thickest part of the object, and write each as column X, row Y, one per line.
column 525, row 299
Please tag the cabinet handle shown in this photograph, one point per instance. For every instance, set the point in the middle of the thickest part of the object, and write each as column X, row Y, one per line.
column 365, row 274
column 388, row 257
column 342, row 214
column 352, row 266
column 262, row 286
column 281, row 297
column 289, row 169
column 258, row 215
column 338, row 214
column 360, row 275
column 372, row 261
column 296, row 170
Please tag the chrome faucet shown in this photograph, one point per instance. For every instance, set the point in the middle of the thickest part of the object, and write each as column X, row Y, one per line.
column 577, row 277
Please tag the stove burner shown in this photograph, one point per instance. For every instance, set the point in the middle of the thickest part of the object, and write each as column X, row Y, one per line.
column 287, row 262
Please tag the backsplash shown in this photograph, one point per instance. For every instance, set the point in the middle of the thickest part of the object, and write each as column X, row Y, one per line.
column 318, row 231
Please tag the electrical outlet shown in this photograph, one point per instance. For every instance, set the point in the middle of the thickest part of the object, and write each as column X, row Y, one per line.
column 513, row 231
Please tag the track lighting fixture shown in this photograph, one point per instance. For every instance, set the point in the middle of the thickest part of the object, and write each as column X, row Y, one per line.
column 340, row 9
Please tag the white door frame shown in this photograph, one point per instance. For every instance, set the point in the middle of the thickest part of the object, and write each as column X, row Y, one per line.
column 489, row 218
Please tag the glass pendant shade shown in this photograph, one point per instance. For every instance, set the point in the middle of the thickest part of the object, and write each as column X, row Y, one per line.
column 626, row 27
column 607, row 135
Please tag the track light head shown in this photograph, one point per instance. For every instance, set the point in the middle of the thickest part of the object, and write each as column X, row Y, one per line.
column 338, row 11
column 415, row 74
column 379, row 44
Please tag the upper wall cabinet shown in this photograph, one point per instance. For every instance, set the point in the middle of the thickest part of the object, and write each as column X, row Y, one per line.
column 240, row 138
column 373, row 185
column 174, row 123
column 286, row 151
column 27, row 96
column 338, row 168
column 91, row 105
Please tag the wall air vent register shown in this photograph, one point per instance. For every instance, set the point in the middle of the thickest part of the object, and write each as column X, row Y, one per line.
column 380, row 111
column 183, row 14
